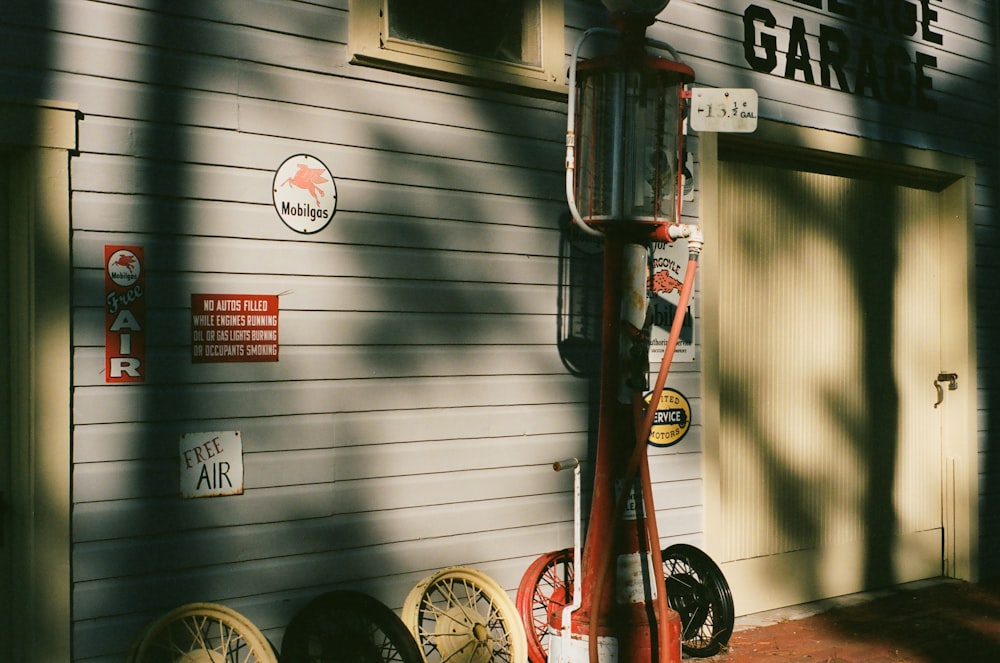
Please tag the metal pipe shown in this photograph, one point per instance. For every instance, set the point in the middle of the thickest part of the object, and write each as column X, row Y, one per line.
column 567, row 616
column 571, row 132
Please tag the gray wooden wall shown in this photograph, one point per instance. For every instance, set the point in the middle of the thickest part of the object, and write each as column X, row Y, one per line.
column 420, row 395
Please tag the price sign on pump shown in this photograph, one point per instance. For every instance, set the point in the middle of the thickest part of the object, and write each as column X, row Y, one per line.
column 724, row 110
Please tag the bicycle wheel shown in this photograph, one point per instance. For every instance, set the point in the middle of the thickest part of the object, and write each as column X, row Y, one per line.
column 347, row 627
column 698, row 591
column 460, row 615
column 202, row 633
column 546, row 589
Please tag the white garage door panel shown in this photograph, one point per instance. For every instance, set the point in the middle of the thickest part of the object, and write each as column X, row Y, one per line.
column 830, row 447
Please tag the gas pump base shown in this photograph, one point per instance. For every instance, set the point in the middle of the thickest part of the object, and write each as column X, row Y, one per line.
column 639, row 641
column 633, row 640
column 575, row 648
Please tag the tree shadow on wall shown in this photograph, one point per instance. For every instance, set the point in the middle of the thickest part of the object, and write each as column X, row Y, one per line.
column 392, row 284
column 859, row 419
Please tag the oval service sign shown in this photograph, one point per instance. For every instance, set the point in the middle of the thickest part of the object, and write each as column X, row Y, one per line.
column 672, row 420
column 304, row 194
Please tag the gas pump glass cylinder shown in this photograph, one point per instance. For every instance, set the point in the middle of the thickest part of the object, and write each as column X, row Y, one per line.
column 630, row 140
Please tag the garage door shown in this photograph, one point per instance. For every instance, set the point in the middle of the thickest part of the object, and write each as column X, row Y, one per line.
column 829, row 454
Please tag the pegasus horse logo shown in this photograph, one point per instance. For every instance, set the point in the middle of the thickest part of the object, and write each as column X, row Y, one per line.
column 126, row 260
column 308, row 178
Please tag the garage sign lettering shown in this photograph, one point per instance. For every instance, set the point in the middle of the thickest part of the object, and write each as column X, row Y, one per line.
column 872, row 59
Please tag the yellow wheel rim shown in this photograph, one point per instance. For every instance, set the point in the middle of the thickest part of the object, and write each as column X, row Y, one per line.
column 460, row 615
column 202, row 633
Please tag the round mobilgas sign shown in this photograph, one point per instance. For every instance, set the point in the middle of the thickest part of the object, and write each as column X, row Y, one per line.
column 304, row 193
column 124, row 268
column 672, row 419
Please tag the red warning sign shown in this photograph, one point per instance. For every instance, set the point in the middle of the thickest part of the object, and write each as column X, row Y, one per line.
column 124, row 314
column 234, row 328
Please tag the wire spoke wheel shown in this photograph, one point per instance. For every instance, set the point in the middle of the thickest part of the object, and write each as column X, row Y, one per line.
column 546, row 589
column 202, row 633
column 348, row 627
column 699, row 593
column 459, row 615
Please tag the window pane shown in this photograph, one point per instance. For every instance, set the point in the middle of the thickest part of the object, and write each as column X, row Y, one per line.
column 506, row 30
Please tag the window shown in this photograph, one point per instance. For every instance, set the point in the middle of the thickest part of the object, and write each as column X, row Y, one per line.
column 510, row 42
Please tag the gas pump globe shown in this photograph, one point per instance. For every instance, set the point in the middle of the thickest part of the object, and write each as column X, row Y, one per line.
column 630, row 141
column 627, row 131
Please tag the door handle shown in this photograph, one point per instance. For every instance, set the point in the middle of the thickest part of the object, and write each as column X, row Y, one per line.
column 951, row 379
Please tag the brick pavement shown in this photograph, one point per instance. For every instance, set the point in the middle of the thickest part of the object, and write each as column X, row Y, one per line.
column 930, row 622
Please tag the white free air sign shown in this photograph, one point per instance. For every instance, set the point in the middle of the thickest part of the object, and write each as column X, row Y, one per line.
column 211, row 464
column 724, row 110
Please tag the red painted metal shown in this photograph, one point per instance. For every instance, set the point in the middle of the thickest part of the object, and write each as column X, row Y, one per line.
column 646, row 631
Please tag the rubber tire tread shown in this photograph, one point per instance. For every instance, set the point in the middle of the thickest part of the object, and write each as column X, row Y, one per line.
column 715, row 583
column 306, row 624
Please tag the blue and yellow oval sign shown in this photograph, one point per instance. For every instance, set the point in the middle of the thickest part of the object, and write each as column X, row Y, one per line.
column 672, row 419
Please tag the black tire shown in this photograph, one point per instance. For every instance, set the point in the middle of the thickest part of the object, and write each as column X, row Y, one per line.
column 348, row 627
column 698, row 591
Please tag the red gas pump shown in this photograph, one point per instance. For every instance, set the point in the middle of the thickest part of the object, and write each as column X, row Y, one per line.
column 624, row 160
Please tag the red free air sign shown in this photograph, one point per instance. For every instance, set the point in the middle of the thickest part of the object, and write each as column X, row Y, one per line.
column 124, row 314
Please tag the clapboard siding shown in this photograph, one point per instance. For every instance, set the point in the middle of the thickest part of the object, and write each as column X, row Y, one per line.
column 347, row 363
column 241, row 256
column 410, row 472
column 524, row 117
column 279, row 15
column 409, row 138
column 122, row 441
column 414, row 163
column 140, row 214
column 378, row 477
column 231, row 35
column 171, row 518
column 342, row 129
column 344, row 328
column 153, row 403
column 371, row 492
column 120, row 558
column 344, row 294
column 420, row 396
column 94, row 560
column 109, row 174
